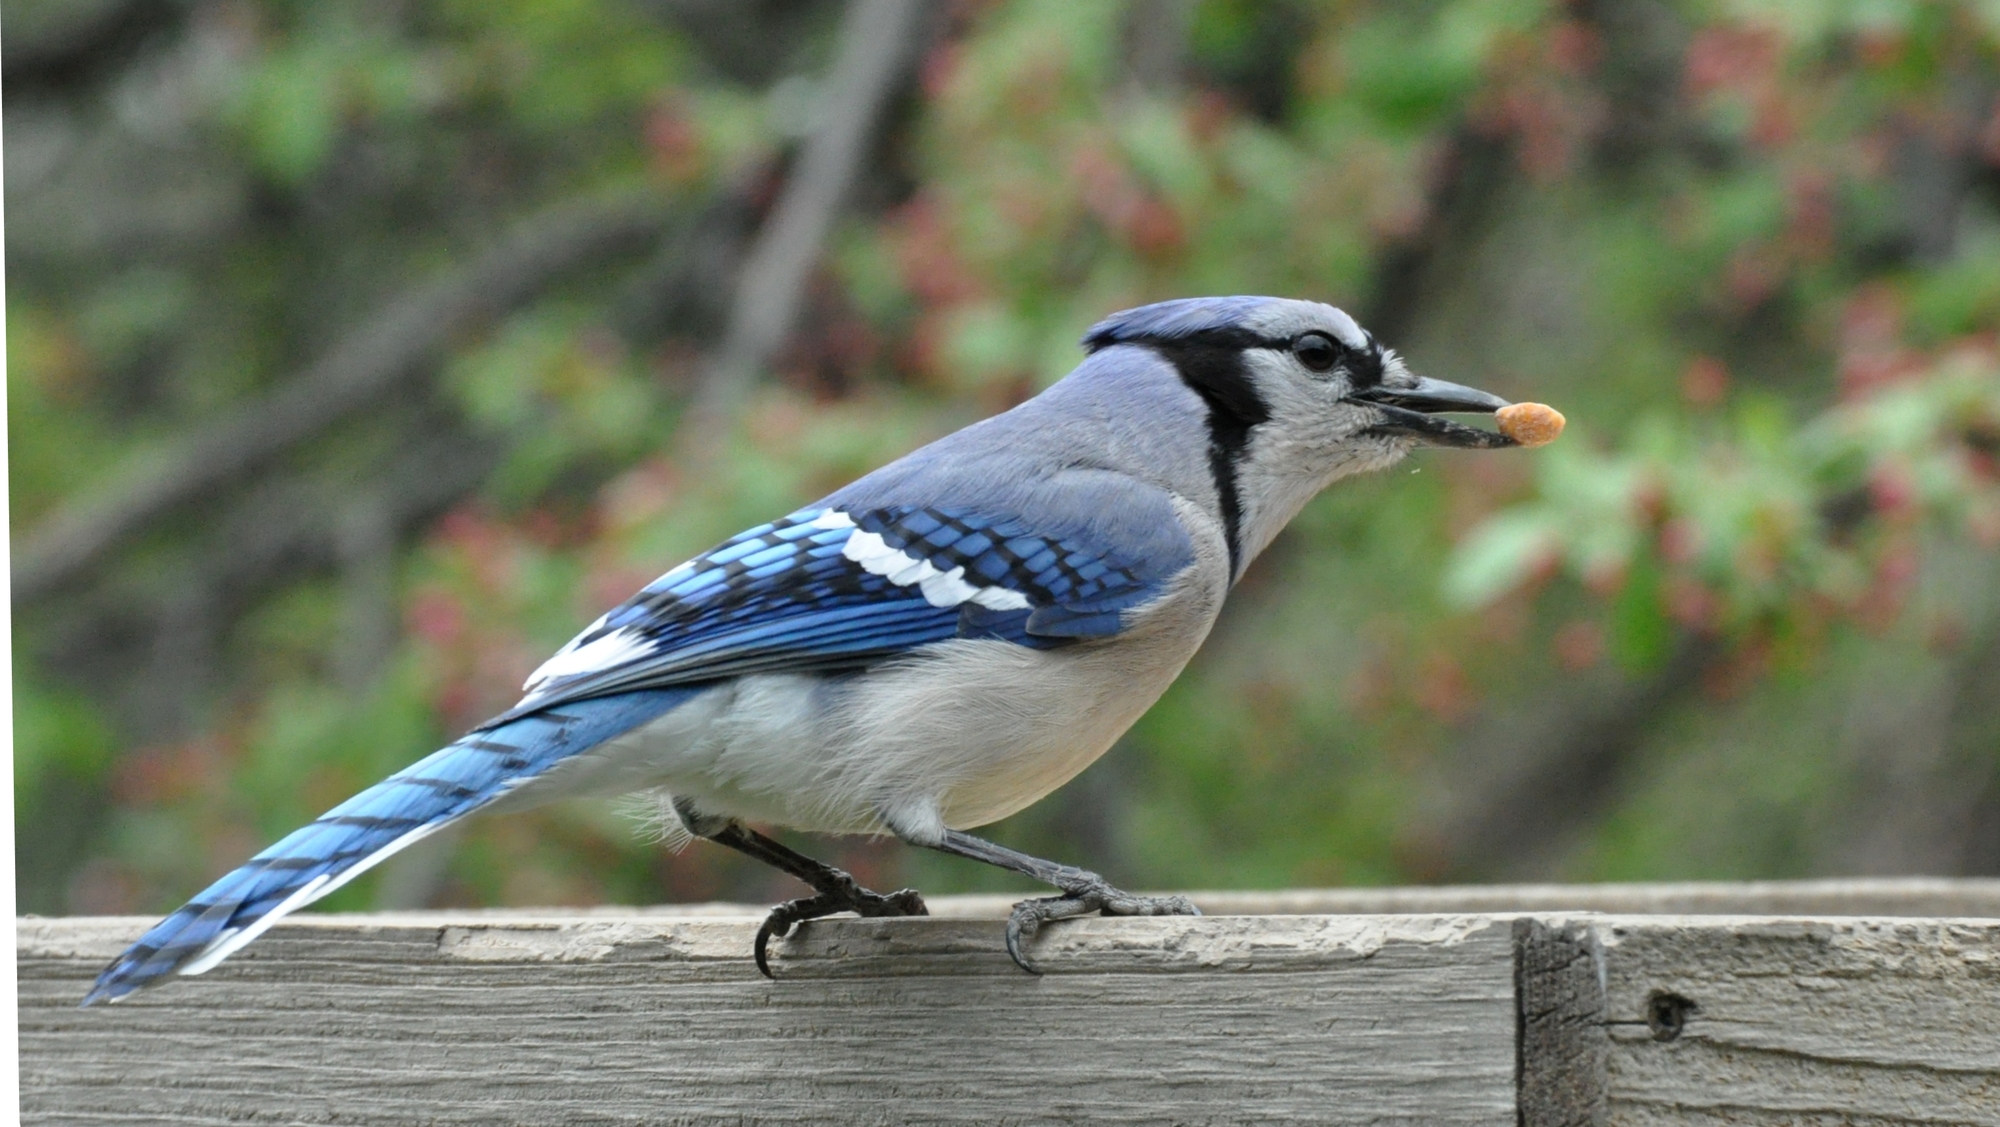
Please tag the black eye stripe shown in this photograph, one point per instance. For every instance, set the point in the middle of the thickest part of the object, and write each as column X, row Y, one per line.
column 1364, row 366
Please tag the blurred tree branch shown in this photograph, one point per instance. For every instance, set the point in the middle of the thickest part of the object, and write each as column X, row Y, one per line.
column 879, row 41
column 64, row 44
column 408, row 330
column 1975, row 781
column 276, row 531
column 1156, row 45
column 1523, row 787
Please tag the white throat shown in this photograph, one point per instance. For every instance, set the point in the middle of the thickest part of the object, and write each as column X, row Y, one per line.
column 1306, row 445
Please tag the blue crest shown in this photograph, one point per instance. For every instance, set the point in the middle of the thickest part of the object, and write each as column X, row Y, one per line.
column 1172, row 320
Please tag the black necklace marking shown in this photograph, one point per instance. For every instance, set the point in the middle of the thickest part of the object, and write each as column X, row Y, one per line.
column 1214, row 370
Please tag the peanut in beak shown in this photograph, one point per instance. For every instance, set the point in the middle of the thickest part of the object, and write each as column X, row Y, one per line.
column 1530, row 424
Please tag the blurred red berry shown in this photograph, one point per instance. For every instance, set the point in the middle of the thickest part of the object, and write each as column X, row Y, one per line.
column 1705, row 382
column 1579, row 645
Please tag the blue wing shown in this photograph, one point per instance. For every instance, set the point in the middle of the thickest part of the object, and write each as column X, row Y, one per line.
column 835, row 587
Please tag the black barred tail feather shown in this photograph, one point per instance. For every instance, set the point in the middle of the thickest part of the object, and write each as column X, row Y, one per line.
column 368, row 828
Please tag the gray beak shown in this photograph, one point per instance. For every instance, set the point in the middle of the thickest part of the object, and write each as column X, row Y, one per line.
column 1411, row 412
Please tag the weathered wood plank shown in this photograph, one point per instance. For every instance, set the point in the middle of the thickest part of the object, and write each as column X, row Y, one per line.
column 645, row 1019
column 1562, row 1051
column 620, row 1017
column 1802, row 1021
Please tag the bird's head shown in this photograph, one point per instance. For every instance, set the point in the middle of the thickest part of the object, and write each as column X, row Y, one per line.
column 1298, row 395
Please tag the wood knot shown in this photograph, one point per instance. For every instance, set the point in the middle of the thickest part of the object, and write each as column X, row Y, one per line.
column 1667, row 1014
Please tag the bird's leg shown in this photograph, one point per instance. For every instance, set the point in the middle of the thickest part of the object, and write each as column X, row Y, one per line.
column 1084, row 892
column 836, row 890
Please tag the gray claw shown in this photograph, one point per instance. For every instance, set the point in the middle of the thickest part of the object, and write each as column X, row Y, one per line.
column 1026, row 921
column 852, row 898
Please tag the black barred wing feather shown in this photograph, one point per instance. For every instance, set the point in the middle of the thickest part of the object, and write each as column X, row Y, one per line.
column 830, row 588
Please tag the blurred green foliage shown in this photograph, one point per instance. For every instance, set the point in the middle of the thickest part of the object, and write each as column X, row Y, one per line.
column 1752, row 250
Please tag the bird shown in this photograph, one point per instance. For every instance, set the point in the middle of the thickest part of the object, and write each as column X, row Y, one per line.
column 920, row 653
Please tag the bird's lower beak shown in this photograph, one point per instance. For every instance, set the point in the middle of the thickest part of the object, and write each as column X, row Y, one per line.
column 1411, row 412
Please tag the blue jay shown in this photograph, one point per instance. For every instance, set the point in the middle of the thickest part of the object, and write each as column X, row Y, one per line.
column 929, row 649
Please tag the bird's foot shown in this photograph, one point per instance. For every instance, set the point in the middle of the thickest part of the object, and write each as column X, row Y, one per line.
column 841, row 894
column 1085, row 896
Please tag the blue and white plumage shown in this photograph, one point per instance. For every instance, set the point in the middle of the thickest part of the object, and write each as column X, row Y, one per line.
column 929, row 649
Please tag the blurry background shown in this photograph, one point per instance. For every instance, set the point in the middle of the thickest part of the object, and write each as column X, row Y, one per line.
column 362, row 352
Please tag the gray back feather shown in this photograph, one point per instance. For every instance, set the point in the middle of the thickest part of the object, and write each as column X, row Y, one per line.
column 1077, row 458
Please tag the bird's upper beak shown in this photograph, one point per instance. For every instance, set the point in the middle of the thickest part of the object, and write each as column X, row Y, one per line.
column 1411, row 412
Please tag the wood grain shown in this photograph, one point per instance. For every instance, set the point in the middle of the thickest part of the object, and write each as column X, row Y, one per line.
column 620, row 1016
column 1805, row 1021
column 649, row 1020
column 1561, row 1051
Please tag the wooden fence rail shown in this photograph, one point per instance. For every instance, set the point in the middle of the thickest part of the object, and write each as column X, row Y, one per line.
column 1871, row 1002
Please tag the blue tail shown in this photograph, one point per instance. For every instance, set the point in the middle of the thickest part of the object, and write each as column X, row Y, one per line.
column 353, row 836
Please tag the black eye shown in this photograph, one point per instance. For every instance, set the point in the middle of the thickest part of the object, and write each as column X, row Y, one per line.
column 1316, row 351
